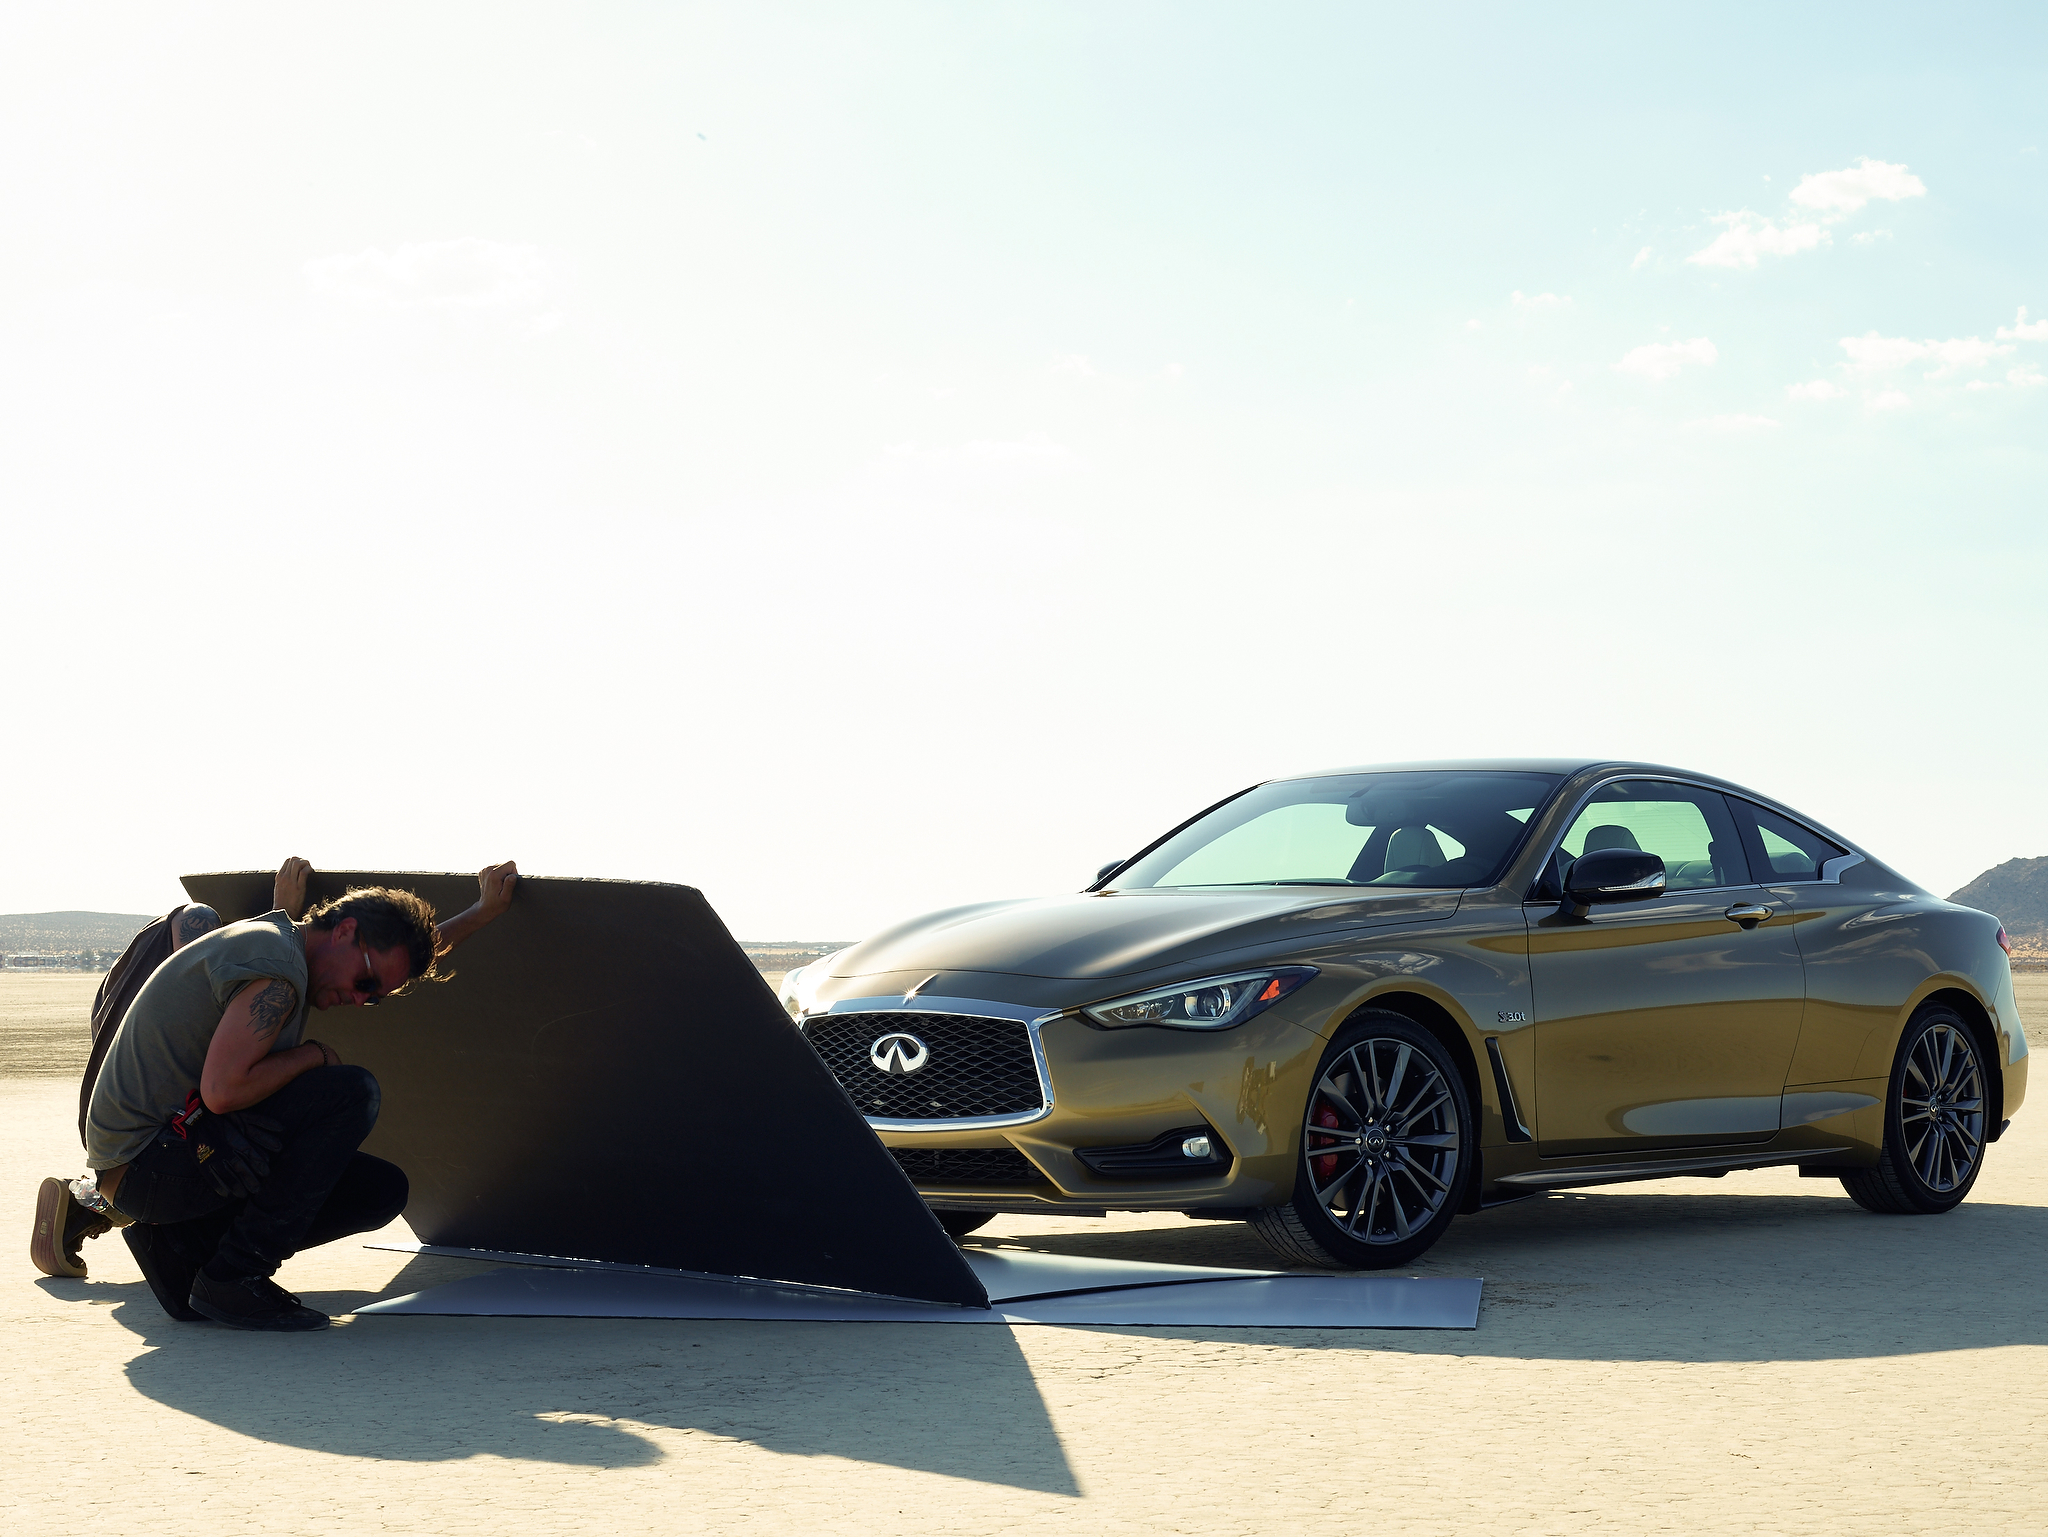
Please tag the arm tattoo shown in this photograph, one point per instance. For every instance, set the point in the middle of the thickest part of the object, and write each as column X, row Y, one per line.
column 271, row 1008
column 191, row 923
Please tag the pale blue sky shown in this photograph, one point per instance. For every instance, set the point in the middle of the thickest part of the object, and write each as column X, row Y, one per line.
column 858, row 460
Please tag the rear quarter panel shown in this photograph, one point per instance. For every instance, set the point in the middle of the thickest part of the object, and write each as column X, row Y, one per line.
column 1876, row 948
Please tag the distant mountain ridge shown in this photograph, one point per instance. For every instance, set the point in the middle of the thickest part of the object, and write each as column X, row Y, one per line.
column 62, row 933
column 2016, row 893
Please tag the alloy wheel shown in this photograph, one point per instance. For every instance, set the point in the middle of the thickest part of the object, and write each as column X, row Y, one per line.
column 1383, row 1141
column 1941, row 1108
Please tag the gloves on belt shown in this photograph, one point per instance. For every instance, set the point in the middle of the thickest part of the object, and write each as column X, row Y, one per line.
column 231, row 1147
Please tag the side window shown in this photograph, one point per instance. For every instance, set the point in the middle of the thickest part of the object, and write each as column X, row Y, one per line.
column 1785, row 850
column 1690, row 830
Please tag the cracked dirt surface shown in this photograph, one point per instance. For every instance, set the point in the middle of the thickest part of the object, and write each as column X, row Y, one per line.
column 1744, row 1355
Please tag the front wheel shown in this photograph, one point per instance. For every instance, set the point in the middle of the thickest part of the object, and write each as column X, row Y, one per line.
column 1934, row 1117
column 1384, row 1151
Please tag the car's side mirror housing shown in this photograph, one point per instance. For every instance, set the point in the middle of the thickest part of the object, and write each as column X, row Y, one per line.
column 1107, row 870
column 1611, row 875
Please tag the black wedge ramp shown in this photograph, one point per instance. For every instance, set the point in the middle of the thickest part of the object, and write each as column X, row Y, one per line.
column 607, row 1077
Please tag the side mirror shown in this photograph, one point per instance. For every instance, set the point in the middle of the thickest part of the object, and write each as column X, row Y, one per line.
column 1105, row 872
column 1612, row 875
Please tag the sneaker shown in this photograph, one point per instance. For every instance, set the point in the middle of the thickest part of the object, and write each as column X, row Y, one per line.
column 253, row 1302
column 62, row 1227
column 169, row 1273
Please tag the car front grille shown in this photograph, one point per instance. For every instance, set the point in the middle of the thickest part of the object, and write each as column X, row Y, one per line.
column 974, row 1065
column 967, row 1166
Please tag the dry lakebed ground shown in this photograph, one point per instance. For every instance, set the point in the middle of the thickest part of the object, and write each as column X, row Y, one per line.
column 1751, row 1354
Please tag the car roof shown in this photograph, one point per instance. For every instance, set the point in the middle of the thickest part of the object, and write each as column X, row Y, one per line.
column 1565, row 766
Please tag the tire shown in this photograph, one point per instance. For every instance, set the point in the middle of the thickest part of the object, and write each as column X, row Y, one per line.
column 1364, row 1200
column 1934, row 1119
column 961, row 1223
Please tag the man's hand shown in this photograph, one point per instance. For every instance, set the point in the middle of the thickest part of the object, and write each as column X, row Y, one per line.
column 494, row 885
column 494, row 888
column 233, row 1150
column 288, row 891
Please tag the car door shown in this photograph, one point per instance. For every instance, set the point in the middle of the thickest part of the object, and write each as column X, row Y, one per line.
column 1671, row 1021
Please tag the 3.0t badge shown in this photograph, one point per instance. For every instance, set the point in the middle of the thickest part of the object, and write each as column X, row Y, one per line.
column 898, row 1054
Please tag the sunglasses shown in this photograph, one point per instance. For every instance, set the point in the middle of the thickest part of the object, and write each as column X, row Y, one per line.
column 372, row 989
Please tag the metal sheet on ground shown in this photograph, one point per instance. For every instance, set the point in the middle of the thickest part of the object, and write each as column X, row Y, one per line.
column 1008, row 1275
column 607, row 1077
column 1229, row 1301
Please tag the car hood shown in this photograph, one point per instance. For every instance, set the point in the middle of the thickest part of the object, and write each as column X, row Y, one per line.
column 1115, row 933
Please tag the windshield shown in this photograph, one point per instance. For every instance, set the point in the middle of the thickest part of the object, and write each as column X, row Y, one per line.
column 1436, row 827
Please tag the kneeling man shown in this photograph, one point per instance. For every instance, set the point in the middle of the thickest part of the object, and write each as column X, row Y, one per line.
column 231, row 1141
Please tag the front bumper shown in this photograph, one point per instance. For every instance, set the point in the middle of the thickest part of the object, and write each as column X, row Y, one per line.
column 1110, row 1089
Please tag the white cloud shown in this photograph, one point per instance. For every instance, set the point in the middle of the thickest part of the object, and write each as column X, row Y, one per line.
column 465, row 274
column 1835, row 194
column 1663, row 360
column 1641, row 256
column 1814, row 389
column 1750, row 237
column 1830, row 195
column 1871, row 353
column 2027, row 376
column 1522, row 301
column 1739, row 422
column 2024, row 330
column 1075, row 365
column 1891, row 400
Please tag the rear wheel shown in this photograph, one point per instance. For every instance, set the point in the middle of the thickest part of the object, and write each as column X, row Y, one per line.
column 1934, row 1118
column 961, row 1223
column 1383, row 1151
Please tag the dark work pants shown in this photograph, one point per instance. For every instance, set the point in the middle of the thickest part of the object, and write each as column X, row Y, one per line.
column 319, row 1187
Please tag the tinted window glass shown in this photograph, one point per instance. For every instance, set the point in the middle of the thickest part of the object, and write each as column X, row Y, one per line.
column 1790, row 852
column 1452, row 827
column 1690, row 830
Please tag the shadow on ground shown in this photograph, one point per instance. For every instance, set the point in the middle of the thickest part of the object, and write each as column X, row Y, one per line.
column 1683, row 1277
column 588, row 1392
column 1678, row 1276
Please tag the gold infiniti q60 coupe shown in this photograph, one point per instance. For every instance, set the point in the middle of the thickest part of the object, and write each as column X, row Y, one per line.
column 1346, row 1007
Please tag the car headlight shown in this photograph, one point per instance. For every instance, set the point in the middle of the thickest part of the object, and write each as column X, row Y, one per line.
column 800, row 987
column 1208, row 1003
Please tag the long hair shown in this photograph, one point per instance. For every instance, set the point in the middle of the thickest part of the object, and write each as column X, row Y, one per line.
column 387, row 918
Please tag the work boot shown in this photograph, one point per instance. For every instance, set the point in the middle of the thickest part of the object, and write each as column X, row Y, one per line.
column 62, row 1227
column 253, row 1302
column 168, row 1272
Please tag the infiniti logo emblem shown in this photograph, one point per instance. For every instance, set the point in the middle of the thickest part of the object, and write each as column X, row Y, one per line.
column 898, row 1054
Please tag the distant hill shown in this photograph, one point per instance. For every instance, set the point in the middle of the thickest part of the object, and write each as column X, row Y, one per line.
column 2016, row 892
column 52, row 933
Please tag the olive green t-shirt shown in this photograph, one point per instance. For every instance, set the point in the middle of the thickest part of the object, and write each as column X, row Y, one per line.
column 153, row 1065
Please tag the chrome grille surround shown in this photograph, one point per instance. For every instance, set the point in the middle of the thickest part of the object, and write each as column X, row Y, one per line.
column 881, row 1015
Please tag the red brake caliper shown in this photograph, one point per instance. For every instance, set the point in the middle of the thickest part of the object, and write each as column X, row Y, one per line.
column 1326, row 1167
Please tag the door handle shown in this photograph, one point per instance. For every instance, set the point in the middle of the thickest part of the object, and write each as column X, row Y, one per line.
column 1748, row 914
